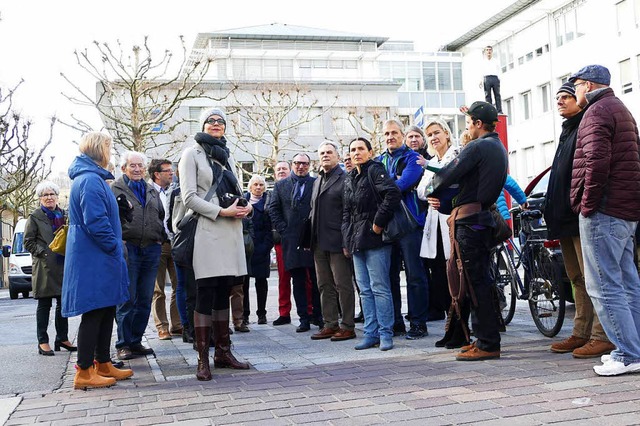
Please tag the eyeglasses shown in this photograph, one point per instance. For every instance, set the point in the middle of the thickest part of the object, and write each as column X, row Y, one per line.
column 213, row 121
column 49, row 195
column 301, row 163
column 575, row 85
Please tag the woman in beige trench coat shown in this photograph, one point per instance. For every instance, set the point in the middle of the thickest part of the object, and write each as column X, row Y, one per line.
column 218, row 255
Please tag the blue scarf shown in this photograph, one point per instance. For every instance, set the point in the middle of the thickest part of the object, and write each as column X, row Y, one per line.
column 139, row 189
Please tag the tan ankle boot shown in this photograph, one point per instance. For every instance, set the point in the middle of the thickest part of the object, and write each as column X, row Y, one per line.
column 88, row 378
column 106, row 369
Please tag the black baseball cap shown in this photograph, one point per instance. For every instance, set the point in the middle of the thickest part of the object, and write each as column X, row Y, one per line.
column 483, row 111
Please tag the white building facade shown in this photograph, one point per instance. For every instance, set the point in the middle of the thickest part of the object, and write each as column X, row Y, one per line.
column 539, row 44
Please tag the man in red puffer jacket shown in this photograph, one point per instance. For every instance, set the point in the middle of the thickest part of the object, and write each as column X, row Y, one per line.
column 605, row 192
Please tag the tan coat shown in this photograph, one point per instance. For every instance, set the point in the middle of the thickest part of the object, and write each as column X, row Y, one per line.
column 219, row 246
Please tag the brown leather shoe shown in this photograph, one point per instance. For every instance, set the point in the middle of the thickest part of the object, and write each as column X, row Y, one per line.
column 324, row 333
column 164, row 335
column 568, row 345
column 477, row 354
column 343, row 334
column 467, row 348
column 593, row 349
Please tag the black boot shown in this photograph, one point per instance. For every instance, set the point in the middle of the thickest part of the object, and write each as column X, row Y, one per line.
column 450, row 325
column 223, row 357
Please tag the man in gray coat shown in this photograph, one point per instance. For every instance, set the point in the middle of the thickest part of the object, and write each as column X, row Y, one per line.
column 143, row 238
column 289, row 207
column 333, row 267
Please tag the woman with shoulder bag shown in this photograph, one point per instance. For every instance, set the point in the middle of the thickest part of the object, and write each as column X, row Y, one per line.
column 48, row 266
column 218, row 254
column 363, row 220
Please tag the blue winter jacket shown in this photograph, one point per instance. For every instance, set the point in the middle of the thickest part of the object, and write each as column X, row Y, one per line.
column 95, row 272
column 402, row 167
column 512, row 187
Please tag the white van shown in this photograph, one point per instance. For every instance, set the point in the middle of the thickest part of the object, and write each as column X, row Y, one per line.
column 19, row 263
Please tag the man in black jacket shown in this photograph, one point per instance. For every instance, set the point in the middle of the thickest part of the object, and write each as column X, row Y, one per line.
column 333, row 267
column 290, row 205
column 588, row 339
column 481, row 171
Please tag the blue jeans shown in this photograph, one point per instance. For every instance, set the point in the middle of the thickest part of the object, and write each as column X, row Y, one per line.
column 612, row 281
column 372, row 275
column 408, row 249
column 133, row 315
column 181, row 296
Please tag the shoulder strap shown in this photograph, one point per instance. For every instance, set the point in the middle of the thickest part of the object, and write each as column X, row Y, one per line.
column 207, row 197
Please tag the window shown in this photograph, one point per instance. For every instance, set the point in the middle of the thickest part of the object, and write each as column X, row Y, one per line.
column 505, row 54
column 221, row 66
column 545, row 96
column 526, row 105
column 567, row 23
column 626, row 78
column 413, row 74
column 314, row 125
column 529, row 162
column 194, row 120
column 564, row 79
column 457, row 76
column 429, row 75
column 628, row 15
column 444, row 76
column 508, row 107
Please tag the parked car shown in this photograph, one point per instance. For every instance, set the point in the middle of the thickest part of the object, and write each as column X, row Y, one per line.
column 20, row 264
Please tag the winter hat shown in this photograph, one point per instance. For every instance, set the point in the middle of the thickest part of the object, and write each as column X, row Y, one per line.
column 567, row 88
column 593, row 73
column 206, row 113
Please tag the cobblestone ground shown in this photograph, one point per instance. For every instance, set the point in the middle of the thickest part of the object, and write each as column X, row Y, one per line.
column 295, row 380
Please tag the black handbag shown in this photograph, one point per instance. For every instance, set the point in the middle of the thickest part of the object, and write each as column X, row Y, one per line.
column 402, row 222
column 184, row 237
column 502, row 231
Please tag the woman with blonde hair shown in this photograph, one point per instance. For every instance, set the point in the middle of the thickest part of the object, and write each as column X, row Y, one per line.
column 95, row 272
column 436, row 247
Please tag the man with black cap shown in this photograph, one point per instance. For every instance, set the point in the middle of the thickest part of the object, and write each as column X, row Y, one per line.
column 588, row 339
column 605, row 192
column 481, row 171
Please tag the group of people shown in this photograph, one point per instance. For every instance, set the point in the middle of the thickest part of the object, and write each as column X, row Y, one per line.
column 328, row 234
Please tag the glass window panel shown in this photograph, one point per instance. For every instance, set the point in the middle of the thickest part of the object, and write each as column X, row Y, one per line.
column 457, row 76
column 286, row 68
column 417, row 99
column 433, row 100
column 404, row 100
column 448, row 100
column 460, row 99
column 429, row 75
column 444, row 76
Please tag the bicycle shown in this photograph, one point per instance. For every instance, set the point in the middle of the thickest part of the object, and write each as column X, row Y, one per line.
column 542, row 286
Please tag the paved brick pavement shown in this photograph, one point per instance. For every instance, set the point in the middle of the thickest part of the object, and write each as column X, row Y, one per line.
column 299, row 381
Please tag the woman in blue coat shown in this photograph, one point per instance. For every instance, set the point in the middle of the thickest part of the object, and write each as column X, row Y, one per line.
column 95, row 272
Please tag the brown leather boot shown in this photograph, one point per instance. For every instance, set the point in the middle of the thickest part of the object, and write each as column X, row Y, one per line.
column 202, row 328
column 569, row 344
column 223, row 357
column 88, row 378
column 106, row 369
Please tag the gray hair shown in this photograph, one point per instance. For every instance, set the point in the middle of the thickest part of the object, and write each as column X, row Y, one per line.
column 396, row 122
column 415, row 129
column 332, row 143
column 444, row 126
column 47, row 184
column 124, row 160
column 256, row 178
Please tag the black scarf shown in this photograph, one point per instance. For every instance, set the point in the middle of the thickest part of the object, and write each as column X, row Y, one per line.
column 216, row 149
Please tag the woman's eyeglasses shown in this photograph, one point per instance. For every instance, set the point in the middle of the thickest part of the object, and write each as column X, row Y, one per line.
column 213, row 121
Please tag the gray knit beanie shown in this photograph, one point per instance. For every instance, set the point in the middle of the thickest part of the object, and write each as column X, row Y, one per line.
column 208, row 112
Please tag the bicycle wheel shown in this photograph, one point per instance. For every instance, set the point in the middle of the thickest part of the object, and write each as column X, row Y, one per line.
column 504, row 282
column 546, row 294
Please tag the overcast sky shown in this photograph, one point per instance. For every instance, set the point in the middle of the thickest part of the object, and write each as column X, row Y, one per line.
column 37, row 39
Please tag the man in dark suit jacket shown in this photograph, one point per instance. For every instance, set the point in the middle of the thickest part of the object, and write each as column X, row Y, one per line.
column 332, row 264
column 290, row 205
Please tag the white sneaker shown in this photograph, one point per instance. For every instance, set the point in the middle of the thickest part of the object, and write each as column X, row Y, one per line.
column 605, row 358
column 615, row 368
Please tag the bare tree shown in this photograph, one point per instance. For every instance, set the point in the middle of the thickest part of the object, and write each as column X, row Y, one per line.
column 363, row 122
column 138, row 96
column 23, row 199
column 268, row 119
column 18, row 159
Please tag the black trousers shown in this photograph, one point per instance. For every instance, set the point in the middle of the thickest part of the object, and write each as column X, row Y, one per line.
column 262, row 288
column 492, row 83
column 42, row 320
column 475, row 249
column 213, row 294
column 94, row 336
column 439, row 297
column 191, row 295
column 299, row 278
